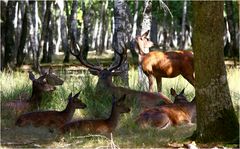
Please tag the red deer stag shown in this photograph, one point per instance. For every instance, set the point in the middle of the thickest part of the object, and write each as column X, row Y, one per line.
column 101, row 126
column 52, row 119
column 45, row 83
column 146, row 99
column 164, row 64
column 181, row 111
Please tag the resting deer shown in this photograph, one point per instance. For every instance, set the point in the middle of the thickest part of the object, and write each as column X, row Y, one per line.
column 157, row 64
column 39, row 87
column 100, row 126
column 52, row 119
column 146, row 99
column 181, row 111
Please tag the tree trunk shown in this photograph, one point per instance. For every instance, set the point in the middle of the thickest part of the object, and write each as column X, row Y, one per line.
column 9, row 59
column 134, row 32
column 86, row 25
column 34, row 36
column 120, row 36
column 100, row 30
column 63, row 30
column 216, row 120
column 183, row 35
column 23, row 38
column 45, row 33
column 232, row 48
column 72, row 31
column 2, row 38
column 50, row 31
column 146, row 25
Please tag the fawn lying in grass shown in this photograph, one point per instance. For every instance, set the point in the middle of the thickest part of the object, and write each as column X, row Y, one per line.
column 101, row 126
column 181, row 111
column 52, row 119
column 39, row 87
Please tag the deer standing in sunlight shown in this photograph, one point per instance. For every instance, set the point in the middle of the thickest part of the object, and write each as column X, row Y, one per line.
column 52, row 119
column 99, row 126
column 145, row 99
column 45, row 83
column 157, row 64
column 181, row 111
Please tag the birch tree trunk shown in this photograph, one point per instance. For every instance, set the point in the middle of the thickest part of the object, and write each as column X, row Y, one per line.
column 216, row 119
column 63, row 31
column 230, row 20
column 2, row 38
column 45, row 33
column 183, row 36
column 9, row 59
column 86, row 25
column 146, row 25
column 72, row 31
column 120, row 37
column 23, row 38
column 34, row 36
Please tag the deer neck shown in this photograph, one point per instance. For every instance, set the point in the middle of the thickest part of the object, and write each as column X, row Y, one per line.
column 113, row 119
column 68, row 112
column 36, row 98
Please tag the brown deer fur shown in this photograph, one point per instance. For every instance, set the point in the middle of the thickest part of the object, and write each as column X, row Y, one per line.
column 52, row 119
column 181, row 111
column 146, row 99
column 157, row 64
column 39, row 86
column 101, row 126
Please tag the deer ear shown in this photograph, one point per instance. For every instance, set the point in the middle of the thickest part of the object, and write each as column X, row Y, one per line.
column 173, row 92
column 145, row 34
column 31, row 76
column 76, row 95
column 182, row 92
column 93, row 72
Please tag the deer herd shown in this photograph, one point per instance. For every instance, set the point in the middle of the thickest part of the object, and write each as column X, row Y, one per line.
column 157, row 110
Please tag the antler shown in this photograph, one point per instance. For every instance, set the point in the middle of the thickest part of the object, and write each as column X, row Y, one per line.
column 121, row 59
column 78, row 55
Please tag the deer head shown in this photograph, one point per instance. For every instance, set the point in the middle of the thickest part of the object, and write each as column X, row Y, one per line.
column 104, row 74
column 75, row 102
column 179, row 98
column 52, row 78
column 40, row 85
column 143, row 42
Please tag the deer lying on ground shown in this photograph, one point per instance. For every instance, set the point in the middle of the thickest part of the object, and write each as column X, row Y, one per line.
column 181, row 111
column 52, row 119
column 39, row 87
column 158, row 64
column 101, row 126
column 146, row 99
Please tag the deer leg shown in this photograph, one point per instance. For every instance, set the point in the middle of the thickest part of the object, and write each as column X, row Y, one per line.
column 162, row 121
column 151, row 79
column 159, row 84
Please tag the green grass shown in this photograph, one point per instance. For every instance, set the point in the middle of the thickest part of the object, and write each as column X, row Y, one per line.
column 127, row 134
